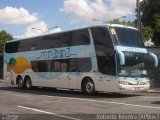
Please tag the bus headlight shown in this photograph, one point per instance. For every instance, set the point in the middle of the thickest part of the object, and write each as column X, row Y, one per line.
column 124, row 82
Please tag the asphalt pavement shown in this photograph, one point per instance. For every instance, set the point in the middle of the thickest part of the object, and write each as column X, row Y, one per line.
column 48, row 104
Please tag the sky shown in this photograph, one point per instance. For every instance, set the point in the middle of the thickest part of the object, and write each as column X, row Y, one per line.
column 18, row 17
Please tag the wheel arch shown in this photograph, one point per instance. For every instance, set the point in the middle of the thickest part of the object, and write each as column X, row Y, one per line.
column 85, row 78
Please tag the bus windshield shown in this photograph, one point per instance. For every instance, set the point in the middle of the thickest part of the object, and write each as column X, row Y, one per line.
column 137, row 70
column 127, row 37
column 135, row 65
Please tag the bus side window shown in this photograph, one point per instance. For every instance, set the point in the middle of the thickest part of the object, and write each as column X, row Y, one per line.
column 28, row 45
column 34, row 47
column 104, row 50
column 63, row 67
column 84, row 65
column 80, row 37
column 65, row 42
column 73, row 65
column 57, row 66
column 12, row 47
column 42, row 66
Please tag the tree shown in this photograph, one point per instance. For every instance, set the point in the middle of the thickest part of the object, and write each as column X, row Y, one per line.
column 151, row 18
column 129, row 23
column 4, row 36
column 156, row 30
column 147, row 33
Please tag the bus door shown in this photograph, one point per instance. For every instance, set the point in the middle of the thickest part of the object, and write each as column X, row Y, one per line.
column 107, row 66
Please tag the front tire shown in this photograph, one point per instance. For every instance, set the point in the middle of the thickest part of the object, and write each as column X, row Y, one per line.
column 88, row 86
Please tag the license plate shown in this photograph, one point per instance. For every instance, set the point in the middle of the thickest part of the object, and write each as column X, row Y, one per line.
column 137, row 88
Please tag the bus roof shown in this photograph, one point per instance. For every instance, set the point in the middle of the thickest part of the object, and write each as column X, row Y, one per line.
column 100, row 25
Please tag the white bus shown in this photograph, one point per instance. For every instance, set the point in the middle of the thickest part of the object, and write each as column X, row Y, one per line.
column 99, row 58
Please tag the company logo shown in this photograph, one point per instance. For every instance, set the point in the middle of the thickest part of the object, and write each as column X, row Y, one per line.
column 19, row 64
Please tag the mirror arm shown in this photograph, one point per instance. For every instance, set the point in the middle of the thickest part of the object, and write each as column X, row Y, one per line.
column 121, row 57
column 152, row 55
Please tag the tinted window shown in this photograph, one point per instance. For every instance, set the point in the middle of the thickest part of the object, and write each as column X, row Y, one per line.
column 12, row 47
column 72, row 38
column 80, row 37
column 102, row 40
column 84, row 65
column 65, row 65
column 128, row 37
column 107, row 65
column 50, row 65
column 73, row 65
column 54, row 41
column 29, row 44
column 104, row 50
column 80, row 65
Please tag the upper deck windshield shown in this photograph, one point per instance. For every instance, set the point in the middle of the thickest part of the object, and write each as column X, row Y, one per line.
column 126, row 37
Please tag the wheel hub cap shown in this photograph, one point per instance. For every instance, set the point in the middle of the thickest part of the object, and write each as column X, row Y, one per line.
column 89, row 87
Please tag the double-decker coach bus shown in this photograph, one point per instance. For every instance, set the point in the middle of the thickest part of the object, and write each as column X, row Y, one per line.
column 99, row 58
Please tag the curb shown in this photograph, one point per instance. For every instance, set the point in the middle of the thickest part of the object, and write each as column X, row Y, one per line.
column 154, row 91
column 1, row 81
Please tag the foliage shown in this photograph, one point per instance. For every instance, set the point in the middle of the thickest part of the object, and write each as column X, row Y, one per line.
column 150, row 10
column 4, row 36
column 147, row 33
column 129, row 23
column 156, row 30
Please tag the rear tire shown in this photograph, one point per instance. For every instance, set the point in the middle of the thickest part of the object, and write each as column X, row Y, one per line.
column 88, row 86
column 20, row 82
column 28, row 83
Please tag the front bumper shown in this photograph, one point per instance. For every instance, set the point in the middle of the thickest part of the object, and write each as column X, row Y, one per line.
column 134, row 88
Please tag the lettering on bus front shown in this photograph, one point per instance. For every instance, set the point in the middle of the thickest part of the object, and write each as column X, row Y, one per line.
column 55, row 53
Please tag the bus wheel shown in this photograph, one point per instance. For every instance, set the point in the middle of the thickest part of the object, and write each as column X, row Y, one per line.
column 20, row 82
column 88, row 86
column 28, row 83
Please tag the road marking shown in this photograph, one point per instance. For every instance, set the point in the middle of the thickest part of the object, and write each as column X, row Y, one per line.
column 33, row 109
column 118, row 103
column 152, row 97
column 156, row 91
